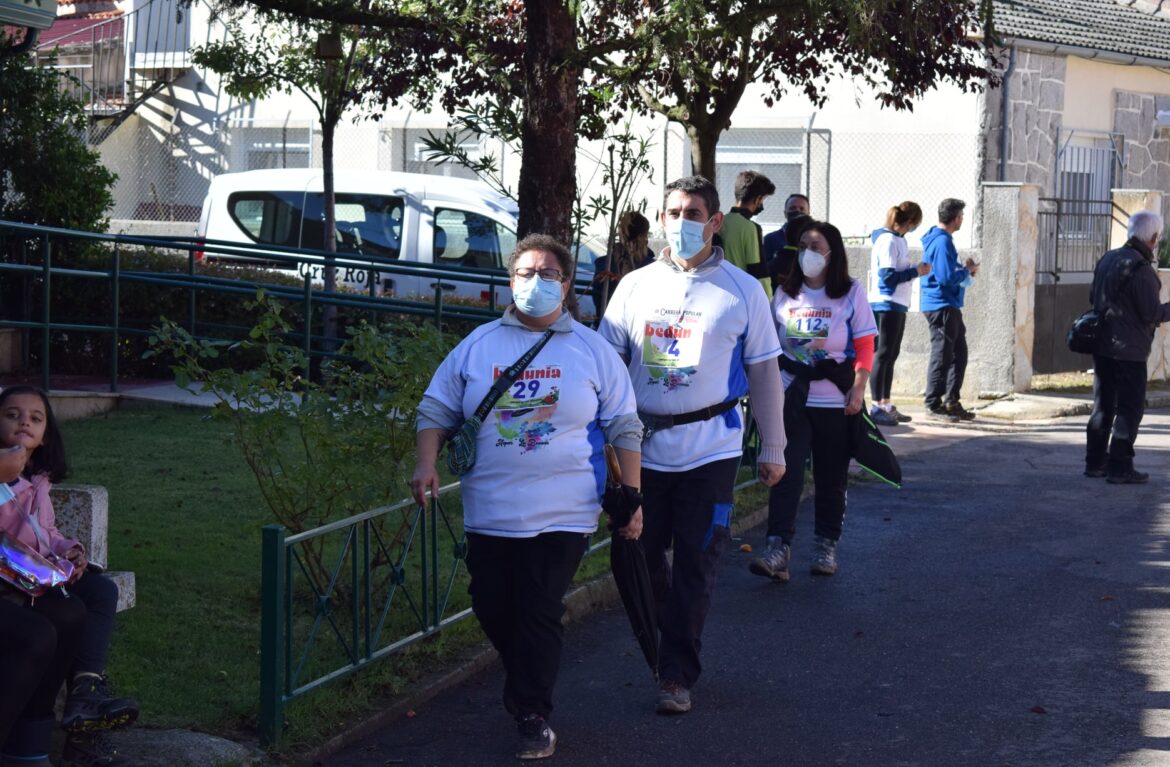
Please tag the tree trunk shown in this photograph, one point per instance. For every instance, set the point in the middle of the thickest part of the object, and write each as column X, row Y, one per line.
column 329, row 245
column 703, row 142
column 548, row 167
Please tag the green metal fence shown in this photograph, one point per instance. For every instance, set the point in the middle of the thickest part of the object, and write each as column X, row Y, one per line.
column 36, row 258
column 341, row 596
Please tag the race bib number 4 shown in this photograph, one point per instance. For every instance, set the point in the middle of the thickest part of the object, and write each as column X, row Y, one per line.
column 669, row 345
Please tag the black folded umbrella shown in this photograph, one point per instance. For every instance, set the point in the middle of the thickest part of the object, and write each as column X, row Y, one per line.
column 627, row 561
column 871, row 451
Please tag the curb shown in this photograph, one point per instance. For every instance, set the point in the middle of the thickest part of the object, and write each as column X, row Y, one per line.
column 594, row 596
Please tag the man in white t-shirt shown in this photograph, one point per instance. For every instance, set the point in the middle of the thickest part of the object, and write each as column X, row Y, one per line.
column 698, row 335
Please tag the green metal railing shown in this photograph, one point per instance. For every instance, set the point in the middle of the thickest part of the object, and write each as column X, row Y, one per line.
column 35, row 253
column 349, row 602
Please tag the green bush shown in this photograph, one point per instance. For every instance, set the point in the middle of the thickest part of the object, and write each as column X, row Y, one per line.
column 319, row 451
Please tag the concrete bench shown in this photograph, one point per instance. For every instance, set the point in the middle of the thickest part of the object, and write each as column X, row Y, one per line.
column 83, row 513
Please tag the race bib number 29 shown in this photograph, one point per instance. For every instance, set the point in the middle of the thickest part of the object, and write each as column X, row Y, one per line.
column 668, row 345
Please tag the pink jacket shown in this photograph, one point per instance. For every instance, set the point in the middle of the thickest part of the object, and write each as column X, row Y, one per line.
column 33, row 496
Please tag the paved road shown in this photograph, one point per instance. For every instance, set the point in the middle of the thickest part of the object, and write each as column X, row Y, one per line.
column 999, row 610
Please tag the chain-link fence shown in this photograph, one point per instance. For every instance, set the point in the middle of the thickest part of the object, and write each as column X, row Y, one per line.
column 852, row 179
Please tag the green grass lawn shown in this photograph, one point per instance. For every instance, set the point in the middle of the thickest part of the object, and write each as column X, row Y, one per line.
column 186, row 517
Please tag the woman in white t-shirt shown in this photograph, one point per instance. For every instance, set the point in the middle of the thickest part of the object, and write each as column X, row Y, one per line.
column 826, row 331
column 891, row 278
column 533, row 497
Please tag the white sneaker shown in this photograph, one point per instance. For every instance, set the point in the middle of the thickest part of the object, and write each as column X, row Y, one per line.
column 774, row 563
column 824, row 557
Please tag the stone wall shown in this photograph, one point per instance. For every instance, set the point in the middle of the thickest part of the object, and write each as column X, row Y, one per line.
column 1147, row 148
column 1035, row 95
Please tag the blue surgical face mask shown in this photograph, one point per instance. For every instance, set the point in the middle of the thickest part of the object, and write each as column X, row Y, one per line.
column 685, row 237
column 536, row 297
column 6, row 493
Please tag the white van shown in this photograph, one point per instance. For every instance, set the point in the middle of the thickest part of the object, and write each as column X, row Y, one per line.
column 413, row 217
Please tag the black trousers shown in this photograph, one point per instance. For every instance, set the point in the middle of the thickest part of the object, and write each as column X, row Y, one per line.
column 948, row 356
column 38, row 643
column 100, row 596
column 891, row 327
column 1119, row 401
column 823, row 434
column 689, row 511
column 517, row 590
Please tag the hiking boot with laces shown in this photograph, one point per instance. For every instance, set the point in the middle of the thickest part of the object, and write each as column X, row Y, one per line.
column 91, row 706
column 537, row 740
column 824, row 557
column 940, row 413
column 774, row 563
column 673, row 698
column 899, row 416
column 956, row 409
column 91, row 749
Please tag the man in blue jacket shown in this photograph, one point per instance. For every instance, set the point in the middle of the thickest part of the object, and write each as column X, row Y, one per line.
column 943, row 288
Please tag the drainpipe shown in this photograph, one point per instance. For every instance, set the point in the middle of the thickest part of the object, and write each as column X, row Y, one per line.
column 1004, row 109
column 24, row 46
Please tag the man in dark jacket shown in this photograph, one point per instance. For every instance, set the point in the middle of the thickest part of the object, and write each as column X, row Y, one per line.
column 1125, row 294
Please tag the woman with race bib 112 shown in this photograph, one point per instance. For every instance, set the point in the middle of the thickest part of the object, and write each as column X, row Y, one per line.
column 826, row 330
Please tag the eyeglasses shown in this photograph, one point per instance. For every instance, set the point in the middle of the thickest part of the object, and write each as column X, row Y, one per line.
column 551, row 275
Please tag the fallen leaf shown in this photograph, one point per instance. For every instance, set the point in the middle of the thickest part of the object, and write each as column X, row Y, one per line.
column 1106, row 598
column 1038, row 710
column 746, row 548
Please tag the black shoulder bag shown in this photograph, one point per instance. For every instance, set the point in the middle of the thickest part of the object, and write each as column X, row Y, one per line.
column 1088, row 329
column 461, row 443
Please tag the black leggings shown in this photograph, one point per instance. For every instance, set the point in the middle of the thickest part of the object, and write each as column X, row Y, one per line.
column 891, row 326
column 823, row 434
column 37, row 646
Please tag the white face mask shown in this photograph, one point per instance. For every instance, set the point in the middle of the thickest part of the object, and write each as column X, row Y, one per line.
column 812, row 263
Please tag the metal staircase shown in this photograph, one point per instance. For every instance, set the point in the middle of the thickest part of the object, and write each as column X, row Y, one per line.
column 118, row 63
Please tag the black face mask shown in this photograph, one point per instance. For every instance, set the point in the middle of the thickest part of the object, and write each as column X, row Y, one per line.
column 791, row 214
column 759, row 210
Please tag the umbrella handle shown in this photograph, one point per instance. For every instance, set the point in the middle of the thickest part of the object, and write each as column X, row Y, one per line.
column 615, row 468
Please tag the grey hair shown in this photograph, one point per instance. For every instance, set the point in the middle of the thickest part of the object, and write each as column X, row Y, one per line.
column 1144, row 225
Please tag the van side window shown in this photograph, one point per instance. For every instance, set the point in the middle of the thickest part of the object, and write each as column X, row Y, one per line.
column 272, row 218
column 369, row 224
column 463, row 238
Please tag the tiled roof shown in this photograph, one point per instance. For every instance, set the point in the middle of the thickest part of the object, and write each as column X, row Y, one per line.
column 1125, row 27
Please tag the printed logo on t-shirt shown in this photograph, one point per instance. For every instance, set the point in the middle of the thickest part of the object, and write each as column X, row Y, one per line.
column 806, row 332
column 524, row 413
column 671, row 348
